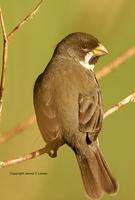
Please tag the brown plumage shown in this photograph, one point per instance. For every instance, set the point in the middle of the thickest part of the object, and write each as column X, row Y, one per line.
column 68, row 106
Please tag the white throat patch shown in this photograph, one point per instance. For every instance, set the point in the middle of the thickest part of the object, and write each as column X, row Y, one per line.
column 85, row 63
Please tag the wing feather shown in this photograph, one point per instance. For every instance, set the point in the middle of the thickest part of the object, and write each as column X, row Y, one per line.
column 90, row 114
column 45, row 109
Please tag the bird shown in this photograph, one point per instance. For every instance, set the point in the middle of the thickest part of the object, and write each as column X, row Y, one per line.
column 69, row 110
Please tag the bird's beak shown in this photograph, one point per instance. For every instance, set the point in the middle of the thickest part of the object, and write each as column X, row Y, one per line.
column 100, row 50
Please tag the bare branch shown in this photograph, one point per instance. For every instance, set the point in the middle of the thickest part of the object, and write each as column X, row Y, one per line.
column 116, row 63
column 5, row 47
column 17, row 129
column 27, row 18
column 21, row 159
column 4, row 60
column 128, row 99
column 3, row 25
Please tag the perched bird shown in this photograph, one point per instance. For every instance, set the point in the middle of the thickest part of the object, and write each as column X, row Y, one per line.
column 68, row 107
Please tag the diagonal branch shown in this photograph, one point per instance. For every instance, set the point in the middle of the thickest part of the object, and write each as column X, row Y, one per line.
column 21, row 159
column 27, row 18
column 17, row 129
column 6, row 163
column 116, row 63
column 6, row 39
column 123, row 102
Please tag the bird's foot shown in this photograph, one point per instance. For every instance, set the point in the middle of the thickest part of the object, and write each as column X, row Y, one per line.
column 53, row 153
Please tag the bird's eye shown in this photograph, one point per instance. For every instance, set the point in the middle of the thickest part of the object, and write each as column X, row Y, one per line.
column 84, row 47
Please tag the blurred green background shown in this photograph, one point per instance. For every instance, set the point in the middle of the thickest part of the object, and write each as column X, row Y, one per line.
column 113, row 23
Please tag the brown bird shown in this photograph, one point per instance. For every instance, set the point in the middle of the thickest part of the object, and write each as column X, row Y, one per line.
column 68, row 106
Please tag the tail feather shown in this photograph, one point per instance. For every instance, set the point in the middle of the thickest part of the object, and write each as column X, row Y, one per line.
column 96, row 174
column 90, row 179
column 109, row 183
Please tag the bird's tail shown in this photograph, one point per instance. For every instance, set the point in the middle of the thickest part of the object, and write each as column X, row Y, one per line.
column 96, row 174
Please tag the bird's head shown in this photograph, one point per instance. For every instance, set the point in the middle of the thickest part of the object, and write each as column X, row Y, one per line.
column 82, row 48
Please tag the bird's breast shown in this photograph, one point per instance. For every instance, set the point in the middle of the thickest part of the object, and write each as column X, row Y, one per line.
column 68, row 85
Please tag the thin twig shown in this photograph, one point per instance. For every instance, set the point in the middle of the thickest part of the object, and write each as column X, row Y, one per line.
column 4, row 61
column 6, row 38
column 27, row 18
column 21, row 159
column 116, row 63
column 17, row 129
column 3, row 25
column 123, row 102
column 6, row 163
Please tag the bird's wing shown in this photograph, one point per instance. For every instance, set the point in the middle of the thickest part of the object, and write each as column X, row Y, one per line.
column 46, row 110
column 90, row 114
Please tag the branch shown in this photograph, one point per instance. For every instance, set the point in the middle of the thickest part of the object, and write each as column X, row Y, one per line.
column 17, row 129
column 116, row 63
column 6, row 39
column 4, row 61
column 27, row 18
column 3, row 25
column 130, row 98
column 21, row 159
column 123, row 102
